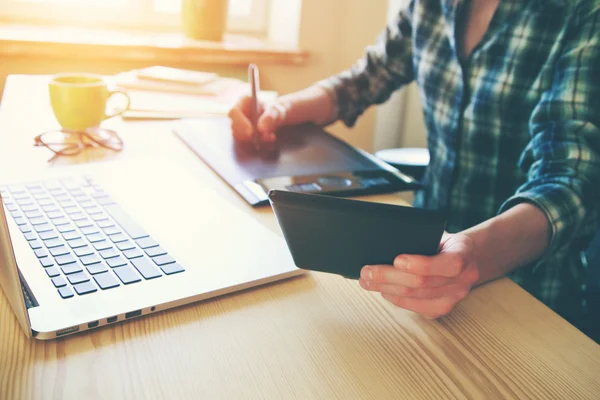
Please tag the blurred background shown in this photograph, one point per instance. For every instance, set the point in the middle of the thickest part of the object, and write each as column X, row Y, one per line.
column 295, row 43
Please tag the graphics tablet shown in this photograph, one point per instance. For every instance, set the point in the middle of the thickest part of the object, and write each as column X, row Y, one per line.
column 305, row 158
column 340, row 236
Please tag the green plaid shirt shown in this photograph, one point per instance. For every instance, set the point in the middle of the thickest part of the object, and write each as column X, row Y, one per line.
column 518, row 121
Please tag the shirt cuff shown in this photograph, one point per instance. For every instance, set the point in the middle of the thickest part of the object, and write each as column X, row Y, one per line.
column 563, row 209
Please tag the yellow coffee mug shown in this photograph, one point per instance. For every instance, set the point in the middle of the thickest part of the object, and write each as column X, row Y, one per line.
column 79, row 100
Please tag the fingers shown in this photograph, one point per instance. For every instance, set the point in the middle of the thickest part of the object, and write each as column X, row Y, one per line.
column 269, row 120
column 456, row 290
column 241, row 127
column 386, row 274
column 451, row 262
column 431, row 308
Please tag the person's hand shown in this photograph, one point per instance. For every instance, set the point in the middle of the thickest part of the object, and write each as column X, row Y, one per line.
column 313, row 104
column 428, row 285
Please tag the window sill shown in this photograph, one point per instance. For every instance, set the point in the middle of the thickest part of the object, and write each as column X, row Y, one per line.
column 169, row 47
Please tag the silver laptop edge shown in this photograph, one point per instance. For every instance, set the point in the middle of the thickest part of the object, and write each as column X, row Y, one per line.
column 52, row 317
column 9, row 275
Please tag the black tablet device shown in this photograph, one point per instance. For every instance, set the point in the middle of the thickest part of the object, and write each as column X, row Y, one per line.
column 305, row 158
column 340, row 236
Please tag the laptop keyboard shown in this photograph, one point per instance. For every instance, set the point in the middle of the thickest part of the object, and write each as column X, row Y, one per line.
column 83, row 239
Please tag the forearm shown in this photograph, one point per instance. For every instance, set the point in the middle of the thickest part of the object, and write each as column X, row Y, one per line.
column 510, row 240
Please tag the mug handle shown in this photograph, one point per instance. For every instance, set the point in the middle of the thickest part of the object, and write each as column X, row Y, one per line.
column 110, row 94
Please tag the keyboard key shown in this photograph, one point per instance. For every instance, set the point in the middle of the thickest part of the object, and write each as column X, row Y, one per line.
column 70, row 208
column 146, row 268
column 109, row 253
column 87, row 204
column 127, row 245
column 25, row 228
column 98, row 217
column 59, row 282
column 30, row 236
column 146, row 243
column 34, row 214
column 89, row 230
column 85, row 288
column 171, row 269
column 64, row 260
column 66, row 228
column 78, row 216
column 133, row 253
column 105, row 223
column 54, row 214
column 61, row 197
column 48, row 235
column 46, row 262
column 65, row 292
column 112, row 230
column 128, row 224
column 96, row 268
column 27, row 207
column 71, row 268
column 77, row 243
column 39, row 221
column 20, row 221
column 52, row 208
column 80, row 198
column 96, row 237
column 96, row 211
column 78, row 277
column 163, row 260
column 45, row 202
column 41, row 253
column 43, row 228
column 17, row 214
column 118, row 238
column 116, row 262
column 106, row 281
column 35, row 244
column 11, row 207
column 61, row 221
column 17, row 188
column 155, row 251
column 54, row 243
column 83, row 223
column 105, row 201
column 127, row 275
column 84, row 251
column 91, row 259
column 52, row 272
column 72, row 235
column 102, row 245
column 21, row 196
column 59, row 251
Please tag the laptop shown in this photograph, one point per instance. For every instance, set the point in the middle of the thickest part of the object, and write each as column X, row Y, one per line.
column 88, row 246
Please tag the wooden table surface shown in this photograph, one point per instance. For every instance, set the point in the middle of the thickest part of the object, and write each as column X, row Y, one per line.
column 316, row 336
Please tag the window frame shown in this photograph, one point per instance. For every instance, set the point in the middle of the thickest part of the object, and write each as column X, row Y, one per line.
column 107, row 16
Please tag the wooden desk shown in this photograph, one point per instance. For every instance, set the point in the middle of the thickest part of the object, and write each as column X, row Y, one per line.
column 316, row 336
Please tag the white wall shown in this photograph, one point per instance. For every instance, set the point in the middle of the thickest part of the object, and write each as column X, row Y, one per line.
column 399, row 122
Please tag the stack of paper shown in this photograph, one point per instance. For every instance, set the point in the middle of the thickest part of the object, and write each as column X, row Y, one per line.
column 157, row 98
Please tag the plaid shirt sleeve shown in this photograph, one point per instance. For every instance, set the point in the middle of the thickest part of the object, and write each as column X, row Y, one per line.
column 563, row 156
column 386, row 66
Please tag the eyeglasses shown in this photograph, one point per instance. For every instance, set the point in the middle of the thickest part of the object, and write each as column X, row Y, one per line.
column 70, row 143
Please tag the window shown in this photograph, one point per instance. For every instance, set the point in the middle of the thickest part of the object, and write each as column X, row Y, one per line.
column 244, row 15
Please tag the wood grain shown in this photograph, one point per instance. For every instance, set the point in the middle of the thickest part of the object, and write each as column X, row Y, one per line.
column 312, row 337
